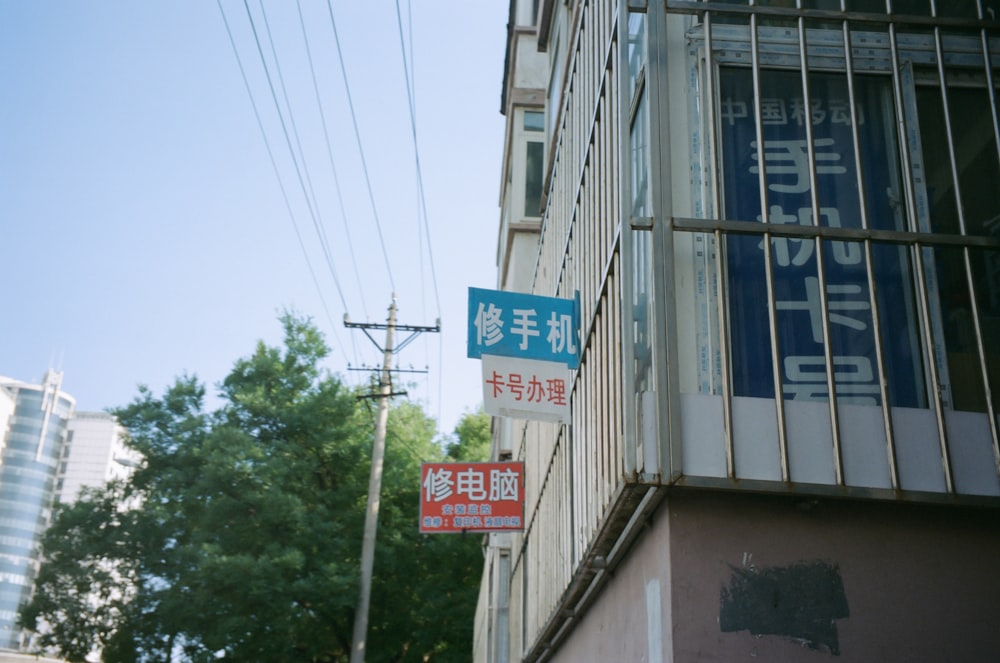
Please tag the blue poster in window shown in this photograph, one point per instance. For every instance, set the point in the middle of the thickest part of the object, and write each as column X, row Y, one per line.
column 784, row 153
column 513, row 324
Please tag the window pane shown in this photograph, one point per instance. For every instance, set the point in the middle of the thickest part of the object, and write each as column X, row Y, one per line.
column 636, row 49
column 986, row 276
column 534, row 121
column 723, row 17
column 642, row 261
column 533, row 179
column 870, row 6
column 963, row 381
column 957, row 9
column 797, row 281
column 975, row 157
column 639, row 162
column 899, row 326
column 828, row 5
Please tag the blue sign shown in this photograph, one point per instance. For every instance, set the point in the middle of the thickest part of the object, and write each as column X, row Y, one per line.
column 798, row 302
column 513, row 324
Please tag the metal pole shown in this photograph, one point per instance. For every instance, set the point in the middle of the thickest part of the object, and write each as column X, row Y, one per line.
column 374, row 496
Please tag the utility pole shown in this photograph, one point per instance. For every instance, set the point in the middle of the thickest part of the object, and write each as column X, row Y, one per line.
column 375, row 478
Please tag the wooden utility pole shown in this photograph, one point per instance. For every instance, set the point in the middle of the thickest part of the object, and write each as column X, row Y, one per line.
column 375, row 477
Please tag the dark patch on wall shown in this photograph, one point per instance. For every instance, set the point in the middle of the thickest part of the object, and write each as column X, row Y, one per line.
column 800, row 602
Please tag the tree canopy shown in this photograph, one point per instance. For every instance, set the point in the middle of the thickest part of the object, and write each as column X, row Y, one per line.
column 239, row 536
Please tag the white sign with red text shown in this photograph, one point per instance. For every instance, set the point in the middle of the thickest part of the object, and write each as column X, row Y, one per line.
column 526, row 388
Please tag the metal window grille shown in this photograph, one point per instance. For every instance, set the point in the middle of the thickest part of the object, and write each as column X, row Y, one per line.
column 864, row 232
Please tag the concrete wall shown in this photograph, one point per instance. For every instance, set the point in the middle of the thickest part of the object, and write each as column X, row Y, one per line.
column 776, row 578
column 617, row 627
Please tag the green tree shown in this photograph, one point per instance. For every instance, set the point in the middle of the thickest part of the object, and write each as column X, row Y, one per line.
column 472, row 438
column 238, row 537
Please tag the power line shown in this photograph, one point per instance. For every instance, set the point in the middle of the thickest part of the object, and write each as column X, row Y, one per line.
column 277, row 175
column 409, row 79
column 329, row 152
column 311, row 196
column 261, row 29
column 416, row 155
column 318, row 222
column 357, row 136
column 408, row 68
column 288, row 142
column 301, row 171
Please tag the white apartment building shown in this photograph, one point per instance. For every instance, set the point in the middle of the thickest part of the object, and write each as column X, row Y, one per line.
column 95, row 454
column 782, row 220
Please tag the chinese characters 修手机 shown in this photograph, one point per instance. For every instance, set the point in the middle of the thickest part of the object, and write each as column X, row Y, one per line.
column 524, row 326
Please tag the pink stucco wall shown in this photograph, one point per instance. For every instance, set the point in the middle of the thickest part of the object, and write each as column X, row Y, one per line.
column 894, row 582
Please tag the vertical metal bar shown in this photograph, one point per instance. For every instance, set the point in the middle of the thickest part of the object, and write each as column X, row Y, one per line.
column 890, row 440
column 617, row 402
column 901, row 128
column 588, row 436
column 597, row 406
column 918, row 265
column 838, row 463
column 987, row 387
column 772, row 311
column 722, row 291
column 631, row 395
column 988, row 67
column 960, row 209
column 566, row 433
column 919, row 276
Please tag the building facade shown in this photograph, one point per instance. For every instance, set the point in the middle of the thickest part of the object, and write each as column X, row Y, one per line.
column 35, row 429
column 95, row 454
column 783, row 223
column 49, row 452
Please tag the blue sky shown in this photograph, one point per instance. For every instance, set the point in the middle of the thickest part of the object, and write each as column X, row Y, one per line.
column 144, row 233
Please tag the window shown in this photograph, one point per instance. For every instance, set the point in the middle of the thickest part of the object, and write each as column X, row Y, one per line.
column 960, row 188
column 534, row 121
column 801, row 288
column 639, row 243
column 533, row 177
column 831, row 166
column 851, row 166
column 526, row 177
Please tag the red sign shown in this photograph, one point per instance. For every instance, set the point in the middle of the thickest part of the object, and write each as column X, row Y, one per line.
column 471, row 497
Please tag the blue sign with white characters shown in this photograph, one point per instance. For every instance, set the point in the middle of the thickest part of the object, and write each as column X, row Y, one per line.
column 513, row 324
column 790, row 178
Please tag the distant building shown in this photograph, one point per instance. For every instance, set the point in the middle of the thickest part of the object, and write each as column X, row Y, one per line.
column 35, row 430
column 95, row 454
column 782, row 221
column 48, row 453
